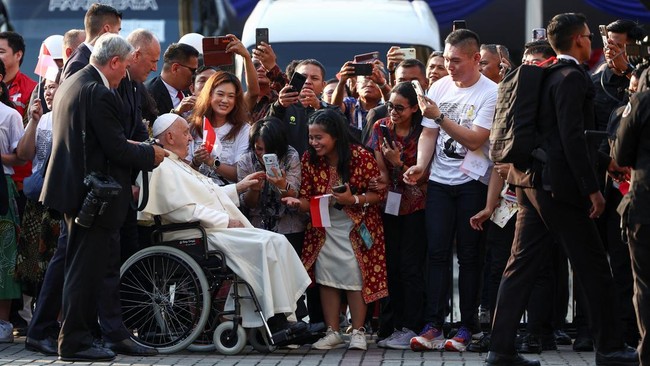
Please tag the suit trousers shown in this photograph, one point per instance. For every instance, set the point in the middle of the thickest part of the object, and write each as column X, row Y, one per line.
column 86, row 266
column 639, row 238
column 540, row 218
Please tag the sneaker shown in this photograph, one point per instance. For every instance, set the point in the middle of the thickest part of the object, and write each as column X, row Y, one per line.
column 460, row 341
column 382, row 343
column 402, row 340
column 358, row 339
column 431, row 338
column 480, row 345
column 6, row 332
column 331, row 340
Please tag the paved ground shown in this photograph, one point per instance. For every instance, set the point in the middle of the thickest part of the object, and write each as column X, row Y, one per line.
column 15, row 354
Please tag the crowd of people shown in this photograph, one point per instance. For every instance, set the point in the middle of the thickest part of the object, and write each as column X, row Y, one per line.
column 375, row 183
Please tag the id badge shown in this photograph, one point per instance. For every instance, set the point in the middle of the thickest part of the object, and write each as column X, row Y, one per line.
column 365, row 235
column 392, row 203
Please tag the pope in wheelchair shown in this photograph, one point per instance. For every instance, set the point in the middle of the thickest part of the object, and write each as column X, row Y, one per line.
column 264, row 259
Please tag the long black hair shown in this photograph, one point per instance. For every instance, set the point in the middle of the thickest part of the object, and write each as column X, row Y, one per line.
column 4, row 97
column 336, row 125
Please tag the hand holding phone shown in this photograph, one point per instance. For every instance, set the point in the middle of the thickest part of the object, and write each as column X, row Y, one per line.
column 340, row 189
column 362, row 69
column 261, row 35
column 385, row 131
column 603, row 34
column 297, row 81
column 418, row 87
column 270, row 162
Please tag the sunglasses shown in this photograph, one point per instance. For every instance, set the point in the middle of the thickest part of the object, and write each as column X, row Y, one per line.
column 398, row 108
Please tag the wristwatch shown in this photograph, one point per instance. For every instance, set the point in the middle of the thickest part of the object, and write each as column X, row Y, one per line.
column 216, row 164
column 285, row 190
column 628, row 71
column 438, row 120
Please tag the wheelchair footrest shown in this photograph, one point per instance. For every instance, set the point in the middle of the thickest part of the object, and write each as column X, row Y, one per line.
column 287, row 335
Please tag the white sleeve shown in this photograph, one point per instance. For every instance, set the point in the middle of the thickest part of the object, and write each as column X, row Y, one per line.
column 485, row 112
column 17, row 130
column 241, row 143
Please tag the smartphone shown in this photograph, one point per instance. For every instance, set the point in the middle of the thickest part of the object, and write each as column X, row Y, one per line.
column 386, row 132
column 409, row 53
column 214, row 51
column 362, row 69
column 458, row 24
column 603, row 34
column 502, row 51
column 539, row 34
column 270, row 162
column 297, row 81
column 339, row 189
column 366, row 57
column 261, row 35
column 417, row 87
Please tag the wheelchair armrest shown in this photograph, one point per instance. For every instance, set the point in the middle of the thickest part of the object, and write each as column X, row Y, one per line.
column 156, row 235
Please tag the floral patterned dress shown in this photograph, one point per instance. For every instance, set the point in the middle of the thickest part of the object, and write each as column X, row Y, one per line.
column 318, row 179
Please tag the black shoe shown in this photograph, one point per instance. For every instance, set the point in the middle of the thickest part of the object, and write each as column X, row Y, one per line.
column 624, row 357
column 93, row 353
column 129, row 347
column 47, row 346
column 548, row 342
column 561, row 338
column 583, row 344
column 500, row 359
column 530, row 344
column 293, row 330
column 480, row 345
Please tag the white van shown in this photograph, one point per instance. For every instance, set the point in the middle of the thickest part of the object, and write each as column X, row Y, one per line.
column 333, row 31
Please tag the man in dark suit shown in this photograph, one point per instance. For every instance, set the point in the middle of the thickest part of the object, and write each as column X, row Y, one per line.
column 180, row 61
column 99, row 19
column 87, row 102
column 563, row 202
column 632, row 148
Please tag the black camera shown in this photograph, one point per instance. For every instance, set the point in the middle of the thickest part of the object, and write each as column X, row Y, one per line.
column 638, row 52
column 102, row 188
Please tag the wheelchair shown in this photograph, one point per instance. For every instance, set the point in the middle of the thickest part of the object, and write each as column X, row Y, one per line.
column 173, row 295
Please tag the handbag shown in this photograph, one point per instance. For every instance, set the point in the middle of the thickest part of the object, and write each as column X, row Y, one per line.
column 33, row 184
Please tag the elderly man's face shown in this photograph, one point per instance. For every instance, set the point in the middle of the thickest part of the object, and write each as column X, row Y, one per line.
column 177, row 138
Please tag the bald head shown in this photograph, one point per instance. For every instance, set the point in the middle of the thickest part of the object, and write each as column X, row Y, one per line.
column 145, row 56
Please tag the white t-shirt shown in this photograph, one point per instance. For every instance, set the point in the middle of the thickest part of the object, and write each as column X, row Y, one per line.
column 466, row 106
column 11, row 130
column 43, row 141
column 228, row 151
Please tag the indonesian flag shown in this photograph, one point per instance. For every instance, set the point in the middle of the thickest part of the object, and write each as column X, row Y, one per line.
column 319, row 209
column 209, row 136
column 46, row 67
column 624, row 187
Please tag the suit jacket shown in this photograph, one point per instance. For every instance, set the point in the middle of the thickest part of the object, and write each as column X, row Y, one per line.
column 77, row 61
column 159, row 92
column 132, row 109
column 106, row 147
column 632, row 148
column 374, row 115
column 566, row 111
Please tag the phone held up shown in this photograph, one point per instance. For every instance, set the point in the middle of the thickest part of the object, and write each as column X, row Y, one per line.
column 418, row 88
column 261, row 35
column 539, row 34
column 603, row 34
column 270, row 162
column 458, row 24
column 297, row 81
column 362, row 69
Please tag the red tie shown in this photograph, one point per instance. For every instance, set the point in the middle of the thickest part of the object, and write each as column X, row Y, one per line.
column 180, row 95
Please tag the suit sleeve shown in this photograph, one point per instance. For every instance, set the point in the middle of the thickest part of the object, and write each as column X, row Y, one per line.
column 110, row 133
column 628, row 134
column 570, row 96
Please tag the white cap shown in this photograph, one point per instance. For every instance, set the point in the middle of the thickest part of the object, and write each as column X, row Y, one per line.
column 54, row 44
column 193, row 39
column 163, row 122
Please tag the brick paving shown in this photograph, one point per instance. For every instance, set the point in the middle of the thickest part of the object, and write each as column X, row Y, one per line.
column 15, row 354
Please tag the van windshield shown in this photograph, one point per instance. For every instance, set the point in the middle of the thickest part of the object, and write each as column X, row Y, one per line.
column 334, row 54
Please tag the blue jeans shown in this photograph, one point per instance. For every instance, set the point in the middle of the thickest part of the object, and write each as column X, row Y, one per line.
column 448, row 211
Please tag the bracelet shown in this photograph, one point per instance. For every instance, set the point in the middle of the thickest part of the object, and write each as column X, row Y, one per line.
column 382, row 85
column 365, row 201
column 356, row 199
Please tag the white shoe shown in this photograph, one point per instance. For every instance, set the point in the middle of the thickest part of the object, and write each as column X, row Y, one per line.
column 358, row 339
column 331, row 340
column 6, row 332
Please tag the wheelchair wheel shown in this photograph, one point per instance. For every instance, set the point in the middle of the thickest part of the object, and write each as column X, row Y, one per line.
column 227, row 341
column 165, row 298
column 259, row 340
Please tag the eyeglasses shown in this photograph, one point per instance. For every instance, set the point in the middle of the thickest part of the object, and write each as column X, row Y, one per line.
column 192, row 69
column 398, row 108
column 590, row 36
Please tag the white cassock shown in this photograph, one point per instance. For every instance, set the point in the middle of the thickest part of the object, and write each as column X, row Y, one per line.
column 264, row 259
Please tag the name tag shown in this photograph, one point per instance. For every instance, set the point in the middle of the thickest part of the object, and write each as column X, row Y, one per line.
column 392, row 203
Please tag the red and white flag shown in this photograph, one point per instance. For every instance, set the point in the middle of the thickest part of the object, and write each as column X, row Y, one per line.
column 209, row 136
column 46, row 67
column 319, row 209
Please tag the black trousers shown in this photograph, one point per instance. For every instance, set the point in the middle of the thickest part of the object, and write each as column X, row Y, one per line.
column 639, row 239
column 406, row 247
column 540, row 219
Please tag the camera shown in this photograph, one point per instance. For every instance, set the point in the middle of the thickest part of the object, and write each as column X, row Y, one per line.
column 102, row 188
column 638, row 52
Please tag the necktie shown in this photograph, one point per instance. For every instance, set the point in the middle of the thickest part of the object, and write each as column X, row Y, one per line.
column 180, row 95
